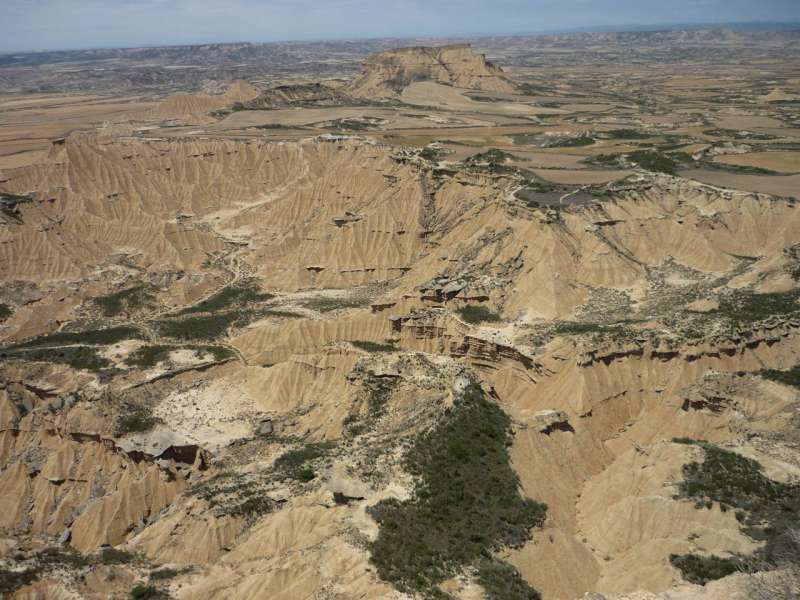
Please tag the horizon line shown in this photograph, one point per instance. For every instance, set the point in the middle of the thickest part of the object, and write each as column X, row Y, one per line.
column 622, row 28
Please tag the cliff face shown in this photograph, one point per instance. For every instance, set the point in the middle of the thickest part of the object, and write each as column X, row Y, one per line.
column 387, row 73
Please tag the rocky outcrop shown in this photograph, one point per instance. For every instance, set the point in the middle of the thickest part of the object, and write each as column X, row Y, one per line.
column 766, row 333
column 388, row 73
column 485, row 349
column 549, row 421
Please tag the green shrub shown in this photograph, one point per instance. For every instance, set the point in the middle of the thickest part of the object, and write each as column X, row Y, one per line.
column 378, row 391
column 367, row 346
column 125, row 300
column 305, row 475
column 5, row 312
column 352, row 124
column 203, row 328
column 167, row 573
column 114, row 556
column 611, row 160
column 766, row 509
column 148, row 356
column 478, row 314
column 72, row 347
column 571, row 142
column 654, row 161
column 432, row 153
column 77, row 357
column 236, row 494
column 585, row 327
column 294, row 463
column 743, row 308
column 524, row 139
column 501, row 581
column 790, row 377
column 95, row 337
column 219, row 353
column 11, row 581
column 238, row 295
column 492, row 156
column 136, row 418
column 730, row 479
column 627, row 134
column 145, row 592
column 700, row 569
column 63, row 557
column 324, row 304
column 466, row 502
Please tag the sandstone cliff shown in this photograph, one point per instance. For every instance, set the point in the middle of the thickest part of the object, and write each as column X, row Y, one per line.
column 387, row 73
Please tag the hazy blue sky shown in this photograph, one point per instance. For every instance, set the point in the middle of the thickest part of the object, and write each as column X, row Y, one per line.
column 48, row 24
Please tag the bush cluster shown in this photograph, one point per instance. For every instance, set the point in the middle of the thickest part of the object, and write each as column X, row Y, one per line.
column 466, row 503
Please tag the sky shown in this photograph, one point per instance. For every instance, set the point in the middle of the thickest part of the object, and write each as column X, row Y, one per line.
column 67, row 24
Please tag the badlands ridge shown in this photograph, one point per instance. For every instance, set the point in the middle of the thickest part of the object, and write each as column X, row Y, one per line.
column 336, row 367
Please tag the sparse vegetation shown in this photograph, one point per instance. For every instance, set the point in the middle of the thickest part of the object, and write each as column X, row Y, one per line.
column 700, row 569
column 135, row 418
column 627, row 134
column 207, row 327
column 77, row 357
column 526, row 139
column 294, row 463
column 236, row 494
column 614, row 330
column 654, row 161
column 478, row 314
column 368, row 346
column 766, row 509
column 743, row 308
column 115, row 556
column 145, row 592
column 166, row 573
column 232, row 296
column 11, row 580
column 378, row 391
column 789, row 377
column 570, row 142
column 96, row 337
column 608, row 160
column 27, row 571
column 492, row 156
column 731, row 479
column 501, row 581
column 125, row 301
column 352, row 124
column 325, row 304
column 466, row 503
column 432, row 153
column 236, row 305
column 147, row 357
column 739, row 135
column 219, row 353
column 245, row 494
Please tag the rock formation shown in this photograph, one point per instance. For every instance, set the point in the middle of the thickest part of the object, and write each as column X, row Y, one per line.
column 388, row 73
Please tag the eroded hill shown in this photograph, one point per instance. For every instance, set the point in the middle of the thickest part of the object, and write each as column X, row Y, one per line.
column 389, row 72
